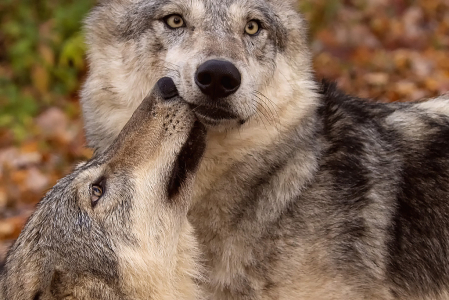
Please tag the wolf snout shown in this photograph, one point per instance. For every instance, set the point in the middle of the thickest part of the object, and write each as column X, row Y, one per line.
column 218, row 78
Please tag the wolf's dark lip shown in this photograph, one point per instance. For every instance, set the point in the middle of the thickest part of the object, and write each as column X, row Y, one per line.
column 213, row 113
column 188, row 159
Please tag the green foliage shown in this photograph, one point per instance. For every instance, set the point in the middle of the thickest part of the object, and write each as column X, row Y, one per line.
column 41, row 57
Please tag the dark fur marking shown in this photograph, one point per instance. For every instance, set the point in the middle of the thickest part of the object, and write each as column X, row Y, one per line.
column 158, row 46
column 418, row 252
column 37, row 296
column 188, row 159
column 346, row 169
column 58, row 285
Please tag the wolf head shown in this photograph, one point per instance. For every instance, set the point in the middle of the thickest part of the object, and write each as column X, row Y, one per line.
column 116, row 228
column 233, row 61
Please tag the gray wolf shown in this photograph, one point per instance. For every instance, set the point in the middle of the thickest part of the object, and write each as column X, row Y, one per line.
column 117, row 228
column 303, row 192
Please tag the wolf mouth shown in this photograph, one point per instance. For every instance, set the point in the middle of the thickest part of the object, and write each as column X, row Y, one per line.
column 213, row 114
column 188, row 159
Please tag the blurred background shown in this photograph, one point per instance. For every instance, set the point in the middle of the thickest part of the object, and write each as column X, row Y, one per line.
column 388, row 50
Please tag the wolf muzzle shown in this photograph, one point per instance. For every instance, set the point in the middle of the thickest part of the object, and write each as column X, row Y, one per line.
column 193, row 149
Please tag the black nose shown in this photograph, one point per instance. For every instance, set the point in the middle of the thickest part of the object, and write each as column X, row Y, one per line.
column 218, row 78
column 167, row 88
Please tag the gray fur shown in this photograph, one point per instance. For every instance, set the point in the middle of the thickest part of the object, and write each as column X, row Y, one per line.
column 307, row 193
column 72, row 248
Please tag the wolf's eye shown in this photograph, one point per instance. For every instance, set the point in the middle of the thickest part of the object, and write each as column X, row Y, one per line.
column 96, row 193
column 174, row 21
column 252, row 27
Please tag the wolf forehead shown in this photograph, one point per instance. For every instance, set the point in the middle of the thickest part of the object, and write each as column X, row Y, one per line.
column 208, row 15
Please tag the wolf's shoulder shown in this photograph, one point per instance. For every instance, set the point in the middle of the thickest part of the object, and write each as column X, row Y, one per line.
column 396, row 154
column 337, row 103
column 413, row 136
column 339, row 109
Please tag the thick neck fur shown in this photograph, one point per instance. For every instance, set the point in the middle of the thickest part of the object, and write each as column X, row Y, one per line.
column 228, row 216
column 164, row 275
column 286, row 108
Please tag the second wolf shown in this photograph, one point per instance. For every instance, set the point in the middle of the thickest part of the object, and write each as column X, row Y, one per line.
column 116, row 228
column 304, row 192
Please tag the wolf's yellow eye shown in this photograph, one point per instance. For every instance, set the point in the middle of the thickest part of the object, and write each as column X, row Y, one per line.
column 252, row 27
column 174, row 21
column 97, row 193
